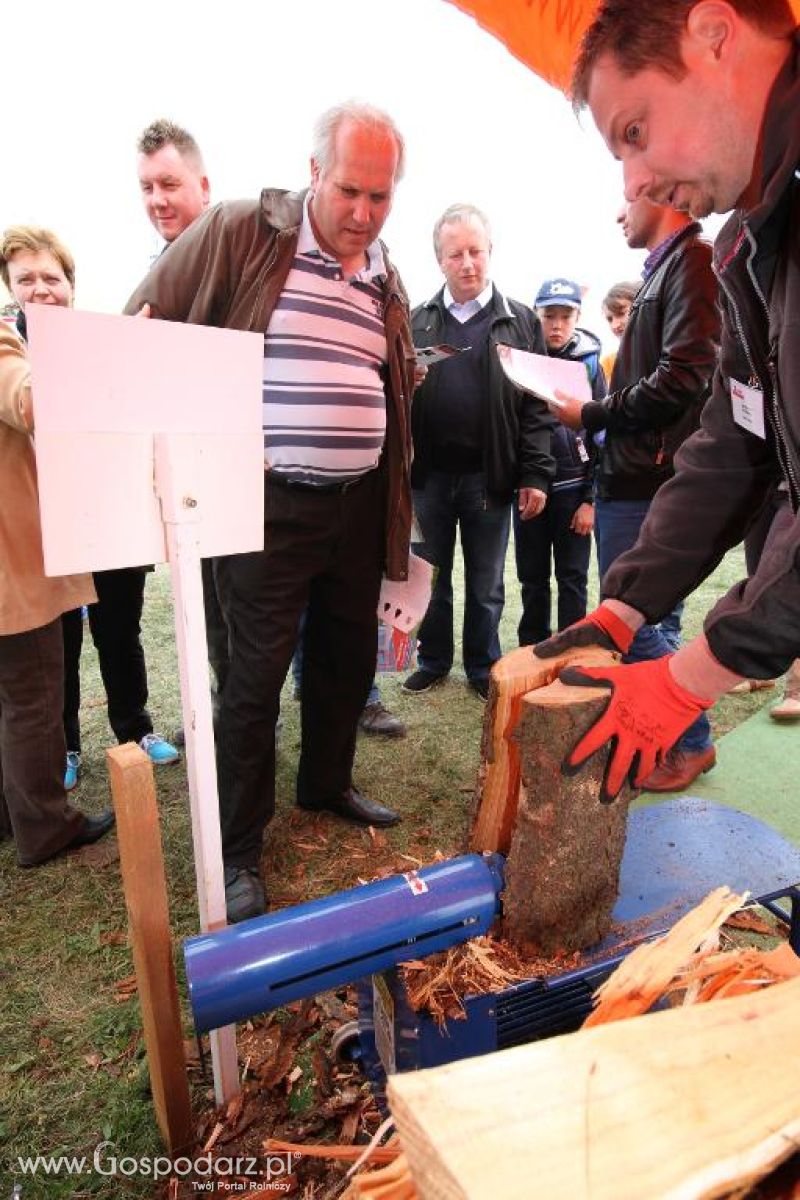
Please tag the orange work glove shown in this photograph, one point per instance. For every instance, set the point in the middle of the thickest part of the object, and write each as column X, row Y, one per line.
column 646, row 713
column 601, row 628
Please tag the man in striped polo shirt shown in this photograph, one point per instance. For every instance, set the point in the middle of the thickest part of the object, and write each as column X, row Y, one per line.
column 307, row 270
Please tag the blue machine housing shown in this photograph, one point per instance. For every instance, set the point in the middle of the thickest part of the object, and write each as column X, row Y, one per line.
column 288, row 955
column 393, row 1037
column 676, row 852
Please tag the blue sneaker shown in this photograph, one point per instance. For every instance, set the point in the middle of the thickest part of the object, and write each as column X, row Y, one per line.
column 73, row 770
column 159, row 750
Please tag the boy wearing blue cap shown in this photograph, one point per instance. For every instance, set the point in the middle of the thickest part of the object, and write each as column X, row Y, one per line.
column 562, row 532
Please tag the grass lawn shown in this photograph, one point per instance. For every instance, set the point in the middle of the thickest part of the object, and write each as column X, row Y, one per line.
column 72, row 1071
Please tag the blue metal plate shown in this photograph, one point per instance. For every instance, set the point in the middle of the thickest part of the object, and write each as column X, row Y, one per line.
column 679, row 851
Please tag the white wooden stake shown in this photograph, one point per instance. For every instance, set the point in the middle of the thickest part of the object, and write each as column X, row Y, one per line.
column 176, row 457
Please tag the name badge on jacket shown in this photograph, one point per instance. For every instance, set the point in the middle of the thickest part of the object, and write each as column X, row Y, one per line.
column 748, row 408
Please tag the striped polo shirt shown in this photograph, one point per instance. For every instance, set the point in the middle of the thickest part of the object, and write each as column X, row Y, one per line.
column 323, row 401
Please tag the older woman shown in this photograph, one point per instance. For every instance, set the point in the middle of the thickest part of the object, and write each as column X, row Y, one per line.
column 33, row 802
column 38, row 269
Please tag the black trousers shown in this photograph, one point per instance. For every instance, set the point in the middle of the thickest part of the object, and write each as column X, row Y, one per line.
column 323, row 550
column 115, row 623
column 540, row 542
column 216, row 626
column 33, row 803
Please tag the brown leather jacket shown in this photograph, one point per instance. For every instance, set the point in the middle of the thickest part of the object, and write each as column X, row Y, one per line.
column 228, row 269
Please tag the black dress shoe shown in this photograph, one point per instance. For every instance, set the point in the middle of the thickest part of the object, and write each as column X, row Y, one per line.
column 92, row 829
column 355, row 807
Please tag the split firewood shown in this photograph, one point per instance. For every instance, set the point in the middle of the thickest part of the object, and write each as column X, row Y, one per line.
column 389, row 1183
column 512, row 676
column 646, row 973
column 337, row 1152
column 734, row 973
column 563, row 867
column 750, row 922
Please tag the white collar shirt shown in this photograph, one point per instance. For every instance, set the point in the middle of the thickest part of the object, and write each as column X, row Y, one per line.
column 464, row 312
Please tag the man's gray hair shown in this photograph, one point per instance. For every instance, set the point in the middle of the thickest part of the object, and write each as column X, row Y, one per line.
column 327, row 125
column 454, row 215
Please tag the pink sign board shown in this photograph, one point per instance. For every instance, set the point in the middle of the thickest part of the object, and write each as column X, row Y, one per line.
column 104, row 387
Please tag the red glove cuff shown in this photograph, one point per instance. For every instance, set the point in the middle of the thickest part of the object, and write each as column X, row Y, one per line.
column 606, row 619
column 679, row 693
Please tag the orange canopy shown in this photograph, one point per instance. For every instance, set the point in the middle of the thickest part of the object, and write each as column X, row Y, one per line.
column 544, row 34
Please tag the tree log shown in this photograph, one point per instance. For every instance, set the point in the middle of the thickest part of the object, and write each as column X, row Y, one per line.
column 562, row 873
column 497, row 793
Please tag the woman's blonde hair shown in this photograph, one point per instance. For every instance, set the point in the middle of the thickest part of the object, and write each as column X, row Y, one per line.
column 31, row 237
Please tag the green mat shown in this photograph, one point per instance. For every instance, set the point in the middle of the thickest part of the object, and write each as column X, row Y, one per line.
column 757, row 770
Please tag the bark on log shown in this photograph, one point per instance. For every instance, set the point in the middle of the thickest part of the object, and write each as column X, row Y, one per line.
column 512, row 676
column 562, row 873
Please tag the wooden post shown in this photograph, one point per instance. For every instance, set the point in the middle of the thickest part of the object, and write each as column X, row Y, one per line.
column 141, row 858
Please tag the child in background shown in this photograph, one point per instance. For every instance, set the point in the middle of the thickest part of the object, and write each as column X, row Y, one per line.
column 616, row 310
column 562, row 531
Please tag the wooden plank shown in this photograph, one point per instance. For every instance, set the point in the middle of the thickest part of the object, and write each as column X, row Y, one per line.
column 511, row 678
column 562, row 873
column 141, row 859
column 689, row 1102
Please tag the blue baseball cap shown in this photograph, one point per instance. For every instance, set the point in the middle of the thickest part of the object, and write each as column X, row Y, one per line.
column 558, row 291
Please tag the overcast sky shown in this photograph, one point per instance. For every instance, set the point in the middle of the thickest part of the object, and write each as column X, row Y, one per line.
column 248, row 78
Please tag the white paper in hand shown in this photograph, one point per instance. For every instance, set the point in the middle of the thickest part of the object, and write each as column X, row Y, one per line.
column 426, row 356
column 541, row 376
column 404, row 604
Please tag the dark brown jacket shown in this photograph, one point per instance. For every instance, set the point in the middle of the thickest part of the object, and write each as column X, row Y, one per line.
column 228, row 269
column 725, row 474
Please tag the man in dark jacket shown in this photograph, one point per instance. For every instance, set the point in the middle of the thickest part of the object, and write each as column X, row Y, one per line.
column 478, row 443
column 700, row 102
column 659, row 384
column 560, row 537
column 309, row 272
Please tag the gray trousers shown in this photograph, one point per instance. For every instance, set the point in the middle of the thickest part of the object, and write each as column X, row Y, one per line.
column 33, row 803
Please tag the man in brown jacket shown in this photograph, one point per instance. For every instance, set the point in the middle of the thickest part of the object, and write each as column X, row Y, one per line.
column 175, row 191
column 308, row 271
column 33, row 803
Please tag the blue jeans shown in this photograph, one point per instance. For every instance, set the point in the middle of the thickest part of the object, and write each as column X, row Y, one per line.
column 445, row 503
column 297, row 666
column 617, row 525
